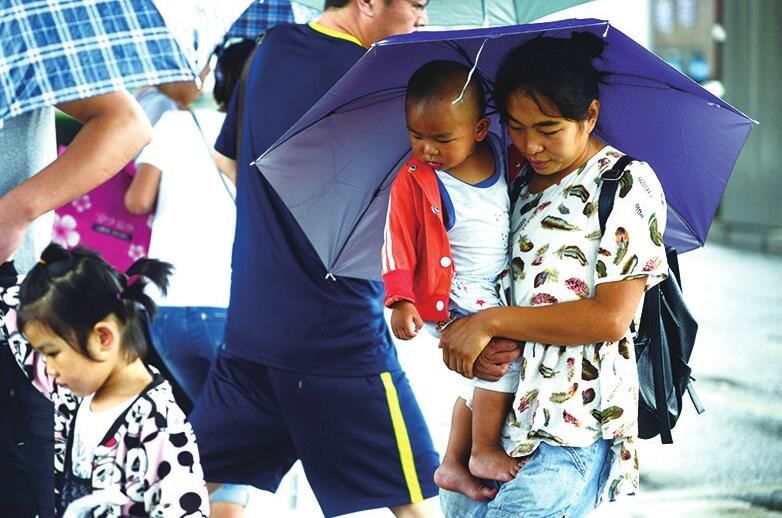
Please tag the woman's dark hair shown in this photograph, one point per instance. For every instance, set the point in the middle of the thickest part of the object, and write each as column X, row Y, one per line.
column 556, row 69
column 71, row 291
column 228, row 71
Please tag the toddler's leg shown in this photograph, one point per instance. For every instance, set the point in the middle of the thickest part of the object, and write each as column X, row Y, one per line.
column 488, row 460
column 453, row 474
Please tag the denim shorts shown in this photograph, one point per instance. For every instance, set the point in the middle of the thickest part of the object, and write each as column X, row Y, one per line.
column 187, row 340
column 558, row 481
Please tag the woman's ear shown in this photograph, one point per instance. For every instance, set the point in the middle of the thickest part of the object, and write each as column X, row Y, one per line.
column 592, row 114
column 482, row 129
column 104, row 340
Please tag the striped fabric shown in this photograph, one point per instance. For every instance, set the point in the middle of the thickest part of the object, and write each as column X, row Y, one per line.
column 260, row 16
column 54, row 51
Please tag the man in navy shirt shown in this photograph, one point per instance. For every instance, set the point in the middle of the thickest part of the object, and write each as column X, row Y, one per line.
column 308, row 370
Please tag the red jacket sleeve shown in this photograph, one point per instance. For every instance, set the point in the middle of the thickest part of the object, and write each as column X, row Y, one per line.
column 399, row 251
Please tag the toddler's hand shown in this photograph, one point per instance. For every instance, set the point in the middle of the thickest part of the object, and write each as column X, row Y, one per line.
column 405, row 320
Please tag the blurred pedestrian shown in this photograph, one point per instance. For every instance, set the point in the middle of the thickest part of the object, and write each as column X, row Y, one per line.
column 156, row 100
column 193, row 229
column 574, row 290
column 308, row 370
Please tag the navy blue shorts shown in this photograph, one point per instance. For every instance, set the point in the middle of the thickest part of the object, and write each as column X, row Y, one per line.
column 362, row 440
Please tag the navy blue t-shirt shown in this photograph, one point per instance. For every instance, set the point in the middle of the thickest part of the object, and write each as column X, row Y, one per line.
column 283, row 311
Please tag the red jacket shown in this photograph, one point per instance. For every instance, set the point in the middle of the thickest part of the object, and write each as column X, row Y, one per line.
column 416, row 256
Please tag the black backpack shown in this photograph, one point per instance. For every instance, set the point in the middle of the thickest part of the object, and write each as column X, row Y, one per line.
column 665, row 337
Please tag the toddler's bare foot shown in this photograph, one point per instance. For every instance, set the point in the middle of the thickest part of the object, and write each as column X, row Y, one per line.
column 456, row 477
column 494, row 464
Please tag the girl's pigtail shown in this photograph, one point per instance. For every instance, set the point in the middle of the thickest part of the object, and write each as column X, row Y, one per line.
column 135, row 280
column 55, row 261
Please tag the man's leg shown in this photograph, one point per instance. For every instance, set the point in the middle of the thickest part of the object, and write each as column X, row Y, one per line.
column 426, row 509
column 362, row 440
column 241, row 436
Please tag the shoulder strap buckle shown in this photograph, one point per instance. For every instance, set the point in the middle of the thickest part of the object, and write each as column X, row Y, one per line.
column 618, row 170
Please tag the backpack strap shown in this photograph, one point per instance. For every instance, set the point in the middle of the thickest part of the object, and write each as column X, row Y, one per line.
column 605, row 203
column 608, row 190
column 242, row 88
column 652, row 304
column 696, row 401
column 651, row 307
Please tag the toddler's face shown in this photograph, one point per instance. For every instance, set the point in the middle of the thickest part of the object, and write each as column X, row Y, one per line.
column 442, row 134
column 71, row 369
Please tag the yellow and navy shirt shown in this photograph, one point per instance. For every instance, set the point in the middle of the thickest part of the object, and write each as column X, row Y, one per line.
column 283, row 311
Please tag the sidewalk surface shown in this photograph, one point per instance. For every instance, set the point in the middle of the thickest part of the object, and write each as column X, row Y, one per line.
column 726, row 462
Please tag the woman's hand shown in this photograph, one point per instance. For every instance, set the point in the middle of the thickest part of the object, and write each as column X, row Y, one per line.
column 494, row 361
column 462, row 342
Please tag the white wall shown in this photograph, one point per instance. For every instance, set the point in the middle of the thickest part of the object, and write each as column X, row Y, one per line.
column 632, row 17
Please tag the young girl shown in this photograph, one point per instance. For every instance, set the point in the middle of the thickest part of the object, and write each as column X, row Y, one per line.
column 122, row 446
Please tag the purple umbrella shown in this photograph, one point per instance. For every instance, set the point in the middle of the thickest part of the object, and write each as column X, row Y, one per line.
column 334, row 167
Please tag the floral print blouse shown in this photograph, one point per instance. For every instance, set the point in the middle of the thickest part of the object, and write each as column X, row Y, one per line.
column 576, row 395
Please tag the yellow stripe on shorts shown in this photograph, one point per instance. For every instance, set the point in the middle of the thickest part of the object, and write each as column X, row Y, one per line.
column 402, row 439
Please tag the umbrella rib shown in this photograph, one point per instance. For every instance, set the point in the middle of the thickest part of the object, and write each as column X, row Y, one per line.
column 686, row 224
column 361, row 216
column 488, row 83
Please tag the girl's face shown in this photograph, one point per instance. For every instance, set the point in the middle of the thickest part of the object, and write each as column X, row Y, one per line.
column 553, row 146
column 443, row 135
column 69, row 367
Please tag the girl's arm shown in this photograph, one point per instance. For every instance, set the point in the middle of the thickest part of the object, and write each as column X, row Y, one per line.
column 30, row 361
column 226, row 165
column 141, row 195
column 179, row 489
column 604, row 317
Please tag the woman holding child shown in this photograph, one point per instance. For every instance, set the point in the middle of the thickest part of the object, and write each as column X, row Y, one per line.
column 575, row 291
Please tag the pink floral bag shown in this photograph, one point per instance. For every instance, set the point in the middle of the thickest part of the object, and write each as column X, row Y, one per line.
column 100, row 221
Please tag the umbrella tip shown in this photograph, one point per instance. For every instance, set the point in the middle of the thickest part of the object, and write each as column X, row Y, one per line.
column 331, row 277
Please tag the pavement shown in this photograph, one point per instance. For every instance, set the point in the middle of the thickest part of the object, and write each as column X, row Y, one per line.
column 726, row 462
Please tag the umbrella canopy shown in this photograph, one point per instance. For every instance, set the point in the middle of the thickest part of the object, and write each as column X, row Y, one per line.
column 334, row 167
column 492, row 13
column 259, row 17
column 482, row 13
column 54, row 51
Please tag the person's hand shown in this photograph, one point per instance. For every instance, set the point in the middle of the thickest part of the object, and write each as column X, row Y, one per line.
column 13, row 231
column 493, row 362
column 462, row 342
column 405, row 320
column 84, row 506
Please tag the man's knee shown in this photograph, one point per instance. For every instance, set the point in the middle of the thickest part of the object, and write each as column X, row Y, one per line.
column 428, row 508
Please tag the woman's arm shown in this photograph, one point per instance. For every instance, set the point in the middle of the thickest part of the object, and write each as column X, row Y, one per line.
column 605, row 317
column 142, row 193
column 226, row 165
